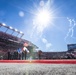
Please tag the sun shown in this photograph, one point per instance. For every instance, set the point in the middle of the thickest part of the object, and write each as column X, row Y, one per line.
column 44, row 17
column 42, row 20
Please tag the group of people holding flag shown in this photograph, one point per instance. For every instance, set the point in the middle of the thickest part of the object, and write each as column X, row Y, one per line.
column 19, row 54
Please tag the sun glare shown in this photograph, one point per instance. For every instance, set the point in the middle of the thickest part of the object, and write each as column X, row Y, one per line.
column 43, row 17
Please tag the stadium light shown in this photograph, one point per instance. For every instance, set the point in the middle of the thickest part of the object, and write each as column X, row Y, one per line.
column 16, row 30
column 3, row 24
column 21, row 32
column 18, row 33
column 10, row 28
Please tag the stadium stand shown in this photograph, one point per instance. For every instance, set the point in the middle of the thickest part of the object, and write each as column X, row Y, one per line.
column 53, row 55
column 11, row 46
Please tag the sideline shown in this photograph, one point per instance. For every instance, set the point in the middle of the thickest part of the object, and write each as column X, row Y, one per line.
column 64, row 61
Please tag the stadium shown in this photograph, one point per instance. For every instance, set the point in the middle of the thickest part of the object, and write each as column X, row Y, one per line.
column 44, row 42
column 11, row 47
column 15, row 48
column 20, row 57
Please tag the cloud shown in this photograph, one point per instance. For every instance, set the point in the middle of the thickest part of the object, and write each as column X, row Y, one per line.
column 47, row 44
column 72, row 24
column 44, row 40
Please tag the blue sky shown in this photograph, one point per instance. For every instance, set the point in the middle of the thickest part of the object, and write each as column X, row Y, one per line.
column 54, row 36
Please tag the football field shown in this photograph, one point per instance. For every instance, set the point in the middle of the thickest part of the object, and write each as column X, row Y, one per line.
column 37, row 69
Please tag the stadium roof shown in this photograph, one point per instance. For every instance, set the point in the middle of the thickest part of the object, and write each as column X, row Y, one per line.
column 11, row 28
column 9, row 40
